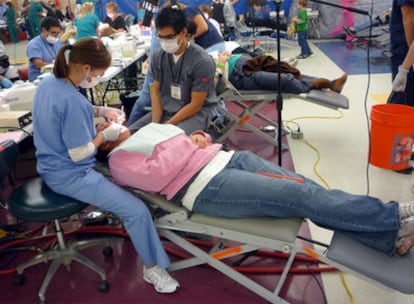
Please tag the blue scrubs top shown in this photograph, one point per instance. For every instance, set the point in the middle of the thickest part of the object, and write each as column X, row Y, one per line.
column 86, row 26
column 210, row 37
column 40, row 48
column 62, row 120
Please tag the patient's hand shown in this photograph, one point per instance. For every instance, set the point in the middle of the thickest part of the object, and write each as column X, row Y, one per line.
column 199, row 140
column 223, row 57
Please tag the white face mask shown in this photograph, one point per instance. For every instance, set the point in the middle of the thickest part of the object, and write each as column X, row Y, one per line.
column 169, row 45
column 86, row 84
column 111, row 16
column 51, row 39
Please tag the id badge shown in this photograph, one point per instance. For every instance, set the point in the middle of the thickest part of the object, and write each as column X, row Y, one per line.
column 176, row 91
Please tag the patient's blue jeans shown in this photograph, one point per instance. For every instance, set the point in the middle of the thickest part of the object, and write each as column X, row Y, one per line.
column 262, row 80
column 238, row 192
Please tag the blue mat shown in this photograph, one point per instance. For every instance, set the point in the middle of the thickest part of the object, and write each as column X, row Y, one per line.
column 352, row 57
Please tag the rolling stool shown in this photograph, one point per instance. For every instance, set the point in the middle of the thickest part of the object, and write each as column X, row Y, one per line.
column 34, row 201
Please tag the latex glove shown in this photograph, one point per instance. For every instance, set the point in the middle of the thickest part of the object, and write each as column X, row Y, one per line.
column 400, row 80
column 110, row 114
column 111, row 133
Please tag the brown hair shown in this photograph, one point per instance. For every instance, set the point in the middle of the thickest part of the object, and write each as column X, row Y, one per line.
column 206, row 9
column 303, row 2
column 113, row 6
column 85, row 51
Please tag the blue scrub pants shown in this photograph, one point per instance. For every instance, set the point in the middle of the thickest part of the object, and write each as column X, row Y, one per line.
column 93, row 188
column 239, row 192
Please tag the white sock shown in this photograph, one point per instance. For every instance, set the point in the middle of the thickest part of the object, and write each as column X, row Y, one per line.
column 406, row 209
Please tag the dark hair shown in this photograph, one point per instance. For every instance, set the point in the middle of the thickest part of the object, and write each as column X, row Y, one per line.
column 172, row 17
column 85, row 51
column 49, row 22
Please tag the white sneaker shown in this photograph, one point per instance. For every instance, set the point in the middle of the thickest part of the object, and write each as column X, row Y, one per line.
column 161, row 280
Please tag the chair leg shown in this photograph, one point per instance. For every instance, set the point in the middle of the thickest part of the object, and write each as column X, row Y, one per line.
column 49, row 275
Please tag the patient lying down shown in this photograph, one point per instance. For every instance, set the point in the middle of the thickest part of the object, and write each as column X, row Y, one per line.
column 193, row 171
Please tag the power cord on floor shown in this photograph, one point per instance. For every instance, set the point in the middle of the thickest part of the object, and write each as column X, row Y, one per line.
column 297, row 133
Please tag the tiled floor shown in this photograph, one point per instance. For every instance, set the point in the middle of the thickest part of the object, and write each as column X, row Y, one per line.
column 341, row 140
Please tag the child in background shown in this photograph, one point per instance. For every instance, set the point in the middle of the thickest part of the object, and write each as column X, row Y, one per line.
column 301, row 21
column 348, row 22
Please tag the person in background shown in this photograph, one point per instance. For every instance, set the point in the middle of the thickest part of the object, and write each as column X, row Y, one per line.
column 240, row 7
column 301, row 21
column 347, row 24
column 42, row 49
column 3, row 8
column 400, row 81
column 208, row 14
column 5, row 83
column 10, row 14
column 257, row 9
column 206, row 34
column 86, row 22
column 260, row 73
column 69, row 14
column 140, row 12
column 183, row 92
column 401, row 37
column 115, row 20
column 34, row 14
column 65, row 154
column 55, row 12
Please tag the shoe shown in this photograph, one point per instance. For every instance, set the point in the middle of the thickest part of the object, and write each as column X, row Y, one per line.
column 407, row 170
column 320, row 83
column 301, row 56
column 349, row 30
column 304, row 56
column 338, row 84
column 162, row 281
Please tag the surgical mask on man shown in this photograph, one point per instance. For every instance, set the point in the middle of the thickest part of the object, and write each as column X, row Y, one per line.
column 51, row 39
column 169, row 45
column 111, row 15
column 86, row 84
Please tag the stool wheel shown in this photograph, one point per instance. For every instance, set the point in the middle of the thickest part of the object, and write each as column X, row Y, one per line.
column 103, row 286
column 19, row 279
column 108, row 251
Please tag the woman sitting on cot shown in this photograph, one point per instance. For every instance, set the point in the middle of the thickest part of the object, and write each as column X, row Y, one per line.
column 194, row 172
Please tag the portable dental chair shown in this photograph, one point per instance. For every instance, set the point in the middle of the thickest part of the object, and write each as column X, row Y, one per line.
column 250, row 102
column 251, row 234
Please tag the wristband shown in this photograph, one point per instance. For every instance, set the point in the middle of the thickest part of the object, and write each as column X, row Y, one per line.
column 221, row 65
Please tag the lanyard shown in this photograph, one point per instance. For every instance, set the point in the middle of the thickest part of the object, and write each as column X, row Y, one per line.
column 176, row 77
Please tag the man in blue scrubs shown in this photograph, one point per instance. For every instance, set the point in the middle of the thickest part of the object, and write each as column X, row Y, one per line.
column 43, row 49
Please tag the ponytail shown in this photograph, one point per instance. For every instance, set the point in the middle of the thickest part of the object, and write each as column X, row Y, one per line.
column 61, row 66
column 85, row 51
